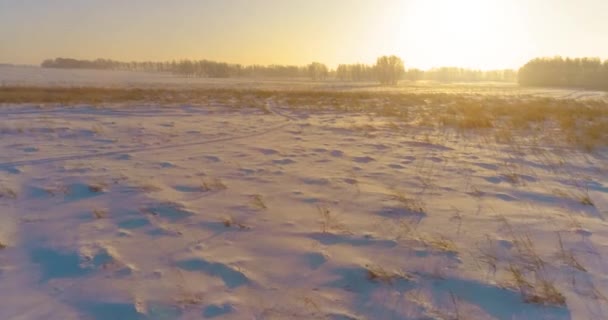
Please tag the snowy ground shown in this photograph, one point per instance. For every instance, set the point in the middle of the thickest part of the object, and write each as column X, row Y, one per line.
column 206, row 211
column 281, row 207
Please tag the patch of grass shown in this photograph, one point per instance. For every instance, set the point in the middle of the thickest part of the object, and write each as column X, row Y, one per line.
column 190, row 299
column 528, row 263
column 481, row 121
column 379, row 274
column 100, row 213
column 579, row 123
column 149, row 187
column 329, row 222
column 457, row 217
column 524, row 247
column 586, row 200
column 8, row 193
column 540, row 292
column 214, row 184
column 580, row 196
column 442, row 244
column 546, row 294
column 230, row 222
column 528, row 254
column 504, row 135
column 97, row 188
column 57, row 190
column 475, row 192
column 258, row 201
column 512, row 178
column 568, row 256
column 405, row 227
column 489, row 258
column 413, row 205
column 511, row 172
column 97, row 129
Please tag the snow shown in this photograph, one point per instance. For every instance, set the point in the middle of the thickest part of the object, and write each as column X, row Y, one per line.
column 209, row 211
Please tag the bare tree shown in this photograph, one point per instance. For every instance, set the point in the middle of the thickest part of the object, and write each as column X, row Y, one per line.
column 588, row 73
column 389, row 69
column 317, row 71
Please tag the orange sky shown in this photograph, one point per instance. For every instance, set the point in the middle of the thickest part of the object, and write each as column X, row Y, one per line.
column 482, row 34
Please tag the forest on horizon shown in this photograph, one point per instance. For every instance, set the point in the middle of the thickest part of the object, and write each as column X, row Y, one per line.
column 316, row 71
column 585, row 73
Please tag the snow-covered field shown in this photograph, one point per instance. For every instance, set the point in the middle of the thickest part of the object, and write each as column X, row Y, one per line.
column 204, row 210
column 35, row 76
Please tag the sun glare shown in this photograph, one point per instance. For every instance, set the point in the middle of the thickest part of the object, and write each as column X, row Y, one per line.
column 475, row 33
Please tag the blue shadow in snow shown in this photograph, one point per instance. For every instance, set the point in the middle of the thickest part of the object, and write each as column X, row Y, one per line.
column 333, row 239
column 55, row 264
column 232, row 278
column 498, row 302
column 213, row 311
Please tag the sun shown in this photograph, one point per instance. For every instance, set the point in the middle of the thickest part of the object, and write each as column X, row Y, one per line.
column 468, row 33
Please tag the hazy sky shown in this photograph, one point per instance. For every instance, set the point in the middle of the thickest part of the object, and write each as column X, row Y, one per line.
column 425, row 33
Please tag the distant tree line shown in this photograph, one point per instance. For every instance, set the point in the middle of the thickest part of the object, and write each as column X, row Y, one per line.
column 362, row 72
column 454, row 74
column 188, row 68
column 355, row 72
column 317, row 71
column 388, row 69
column 586, row 73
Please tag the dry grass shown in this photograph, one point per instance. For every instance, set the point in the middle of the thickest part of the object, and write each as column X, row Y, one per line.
column 551, row 121
column 413, row 205
column 377, row 273
column 567, row 256
column 580, row 196
column 329, row 221
column 214, row 184
column 230, row 222
column 8, row 193
column 100, row 213
column 97, row 129
column 97, row 187
column 540, row 291
column 528, row 273
column 148, row 187
column 586, row 200
column 258, row 202
column 185, row 300
column 442, row 244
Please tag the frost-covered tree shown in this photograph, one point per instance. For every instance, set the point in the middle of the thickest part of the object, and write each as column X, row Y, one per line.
column 317, row 71
column 389, row 69
column 588, row 73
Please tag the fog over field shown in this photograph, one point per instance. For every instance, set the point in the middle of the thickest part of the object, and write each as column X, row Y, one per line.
column 25, row 76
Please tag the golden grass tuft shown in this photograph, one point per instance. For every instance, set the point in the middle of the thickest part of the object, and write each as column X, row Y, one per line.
column 258, row 202
column 579, row 123
column 100, row 213
column 8, row 193
column 214, row 184
column 377, row 273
